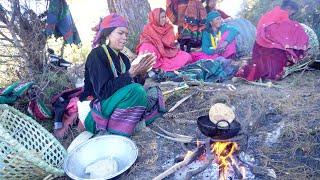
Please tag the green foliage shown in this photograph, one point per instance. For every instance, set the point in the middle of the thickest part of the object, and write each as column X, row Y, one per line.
column 72, row 53
column 53, row 82
column 75, row 54
column 7, row 74
column 308, row 14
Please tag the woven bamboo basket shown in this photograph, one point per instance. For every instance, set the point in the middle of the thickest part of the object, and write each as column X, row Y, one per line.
column 27, row 150
column 312, row 53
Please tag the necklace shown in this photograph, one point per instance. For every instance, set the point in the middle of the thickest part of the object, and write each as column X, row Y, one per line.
column 113, row 68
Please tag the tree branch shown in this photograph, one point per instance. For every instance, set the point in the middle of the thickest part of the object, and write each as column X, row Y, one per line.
column 15, row 10
column 7, row 45
column 6, row 37
column 12, row 29
column 10, row 56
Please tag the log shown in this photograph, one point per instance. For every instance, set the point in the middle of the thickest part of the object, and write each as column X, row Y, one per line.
column 210, row 159
column 237, row 172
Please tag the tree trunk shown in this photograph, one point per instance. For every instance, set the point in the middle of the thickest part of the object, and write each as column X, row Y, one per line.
column 24, row 31
column 136, row 12
column 111, row 6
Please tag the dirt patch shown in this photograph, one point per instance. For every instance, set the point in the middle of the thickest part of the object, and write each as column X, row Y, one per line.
column 282, row 126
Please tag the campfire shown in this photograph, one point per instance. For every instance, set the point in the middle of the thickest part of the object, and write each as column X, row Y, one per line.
column 216, row 160
column 224, row 157
column 218, row 155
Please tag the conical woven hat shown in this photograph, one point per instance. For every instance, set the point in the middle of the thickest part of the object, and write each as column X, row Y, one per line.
column 220, row 111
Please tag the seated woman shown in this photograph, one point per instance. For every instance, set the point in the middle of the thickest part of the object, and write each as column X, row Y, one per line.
column 217, row 40
column 176, row 11
column 211, row 5
column 189, row 34
column 280, row 42
column 158, row 37
column 119, row 102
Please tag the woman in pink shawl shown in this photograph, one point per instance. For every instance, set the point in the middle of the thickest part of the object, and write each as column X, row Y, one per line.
column 280, row 42
column 158, row 38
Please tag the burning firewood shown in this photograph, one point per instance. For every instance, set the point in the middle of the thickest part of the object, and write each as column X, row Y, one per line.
column 209, row 161
column 189, row 158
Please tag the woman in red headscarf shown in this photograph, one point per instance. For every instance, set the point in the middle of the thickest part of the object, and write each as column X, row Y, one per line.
column 158, row 37
column 120, row 100
column 280, row 42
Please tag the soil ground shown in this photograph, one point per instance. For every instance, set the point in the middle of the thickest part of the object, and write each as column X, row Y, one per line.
column 281, row 126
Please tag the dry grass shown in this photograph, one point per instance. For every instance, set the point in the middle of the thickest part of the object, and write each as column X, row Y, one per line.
column 294, row 109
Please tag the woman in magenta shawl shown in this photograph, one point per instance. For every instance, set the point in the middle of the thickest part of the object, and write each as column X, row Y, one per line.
column 280, row 42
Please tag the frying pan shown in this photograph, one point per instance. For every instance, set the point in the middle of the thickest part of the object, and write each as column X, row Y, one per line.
column 216, row 131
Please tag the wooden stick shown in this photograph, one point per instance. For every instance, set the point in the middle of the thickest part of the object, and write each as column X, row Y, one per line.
column 174, row 134
column 237, row 172
column 245, row 58
column 268, row 84
column 49, row 177
column 182, row 140
column 170, row 83
column 185, row 86
column 180, row 121
column 187, row 160
column 180, row 102
column 200, row 83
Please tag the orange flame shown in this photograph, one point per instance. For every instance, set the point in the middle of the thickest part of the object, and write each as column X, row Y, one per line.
column 223, row 152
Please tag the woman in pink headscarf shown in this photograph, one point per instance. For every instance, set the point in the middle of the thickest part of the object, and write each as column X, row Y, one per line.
column 280, row 42
column 120, row 100
column 158, row 37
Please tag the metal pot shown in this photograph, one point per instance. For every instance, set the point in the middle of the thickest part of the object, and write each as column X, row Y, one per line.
column 122, row 149
column 215, row 131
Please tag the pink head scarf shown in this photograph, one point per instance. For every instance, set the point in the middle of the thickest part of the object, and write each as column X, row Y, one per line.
column 112, row 20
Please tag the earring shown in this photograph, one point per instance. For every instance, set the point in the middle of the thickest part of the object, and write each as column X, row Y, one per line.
column 107, row 41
